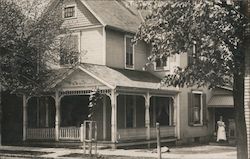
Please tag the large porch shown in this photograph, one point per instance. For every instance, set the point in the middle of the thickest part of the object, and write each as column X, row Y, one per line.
column 123, row 114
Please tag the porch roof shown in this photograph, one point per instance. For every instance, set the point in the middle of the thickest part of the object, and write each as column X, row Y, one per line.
column 125, row 78
column 112, row 77
column 221, row 101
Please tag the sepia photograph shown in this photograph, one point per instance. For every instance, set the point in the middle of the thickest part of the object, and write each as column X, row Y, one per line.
column 125, row 79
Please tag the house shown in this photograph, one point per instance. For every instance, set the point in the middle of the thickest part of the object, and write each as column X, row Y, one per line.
column 133, row 99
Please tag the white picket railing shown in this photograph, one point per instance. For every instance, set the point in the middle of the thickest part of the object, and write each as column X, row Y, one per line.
column 40, row 133
column 69, row 133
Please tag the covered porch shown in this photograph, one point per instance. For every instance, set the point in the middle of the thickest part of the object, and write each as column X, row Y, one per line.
column 125, row 113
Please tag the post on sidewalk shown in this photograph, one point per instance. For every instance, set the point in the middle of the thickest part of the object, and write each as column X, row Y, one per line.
column 158, row 140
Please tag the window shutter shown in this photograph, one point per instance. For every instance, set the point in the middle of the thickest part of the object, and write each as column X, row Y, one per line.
column 190, row 109
column 204, row 109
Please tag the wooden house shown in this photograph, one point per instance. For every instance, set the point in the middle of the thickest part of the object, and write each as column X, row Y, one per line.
column 133, row 98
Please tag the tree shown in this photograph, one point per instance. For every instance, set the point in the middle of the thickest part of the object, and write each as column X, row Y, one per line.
column 211, row 33
column 28, row 42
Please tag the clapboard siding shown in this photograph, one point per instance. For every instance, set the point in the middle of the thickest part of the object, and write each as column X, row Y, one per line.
column 83, row 16
column 92, row 46
column 115, row 51
column 247, row 87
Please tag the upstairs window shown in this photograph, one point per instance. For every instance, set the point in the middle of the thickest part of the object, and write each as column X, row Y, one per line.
column 69, row 51
column 129, row 52
column 161, row 63
column 69, row 12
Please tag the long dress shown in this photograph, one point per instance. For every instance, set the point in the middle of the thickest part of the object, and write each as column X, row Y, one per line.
column 221, row 133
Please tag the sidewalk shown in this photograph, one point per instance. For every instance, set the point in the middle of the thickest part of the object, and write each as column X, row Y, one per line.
column 196, row 152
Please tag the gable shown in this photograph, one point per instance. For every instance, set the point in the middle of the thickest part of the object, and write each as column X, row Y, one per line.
column 79, row 79
column 83, row 16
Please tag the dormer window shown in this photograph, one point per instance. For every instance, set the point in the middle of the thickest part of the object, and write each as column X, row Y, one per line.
column 69, row 12
column 129, row 52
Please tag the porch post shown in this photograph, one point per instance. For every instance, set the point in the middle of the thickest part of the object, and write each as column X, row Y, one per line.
column 113, row 116
column 58, row 116
column 25, row 117
column 147, row 115
column 104, row 117
column 46, row 112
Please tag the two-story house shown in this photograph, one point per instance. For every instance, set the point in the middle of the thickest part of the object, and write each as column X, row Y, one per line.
column 133, row 99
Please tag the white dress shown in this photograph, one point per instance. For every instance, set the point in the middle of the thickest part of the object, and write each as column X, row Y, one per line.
column 221, row 133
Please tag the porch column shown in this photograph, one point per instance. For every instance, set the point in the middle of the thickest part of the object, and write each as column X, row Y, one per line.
column 104, row 117
column 46, row 112
column 147, row 115
column 25, row 117
column 176, row 119
column 113, row 116
column 58, row 116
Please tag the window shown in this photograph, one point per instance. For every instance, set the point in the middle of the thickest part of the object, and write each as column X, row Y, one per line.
column 192, row 55
column 69, row 52
column 161, row 63
column 197, row 109
column 69, row 12
column 129, row 52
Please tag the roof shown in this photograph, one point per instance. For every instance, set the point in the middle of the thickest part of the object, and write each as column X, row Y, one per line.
column 112, row 77
column 115, row 14
column 123, row 77
column 221, row 101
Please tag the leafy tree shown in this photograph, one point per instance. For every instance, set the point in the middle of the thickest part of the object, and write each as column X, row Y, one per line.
column 211, row 34
column 94, row 98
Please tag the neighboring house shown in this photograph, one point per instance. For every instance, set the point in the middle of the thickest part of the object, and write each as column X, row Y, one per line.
column 133, row 98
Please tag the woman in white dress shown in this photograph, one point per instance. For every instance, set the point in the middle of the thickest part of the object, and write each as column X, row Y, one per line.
column 221, row 133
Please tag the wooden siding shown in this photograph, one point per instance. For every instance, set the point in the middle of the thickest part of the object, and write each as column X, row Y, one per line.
column 91, row 44
column 247, row 97
column 247, row 85
column 83, row 16
column 115, row 51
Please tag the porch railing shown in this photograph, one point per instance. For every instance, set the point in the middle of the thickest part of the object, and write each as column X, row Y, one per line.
column 40, row 133
column 166, row 131
column 141, row 133
column 131, row 133
column 69, row 133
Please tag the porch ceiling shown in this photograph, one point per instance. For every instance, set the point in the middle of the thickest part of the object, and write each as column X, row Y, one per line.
column 221, row 101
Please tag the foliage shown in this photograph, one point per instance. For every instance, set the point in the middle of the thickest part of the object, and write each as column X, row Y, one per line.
column 94, row 98
column 27, row 43
column 213, row 29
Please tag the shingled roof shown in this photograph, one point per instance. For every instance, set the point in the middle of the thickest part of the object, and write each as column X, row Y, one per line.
column 115, row 14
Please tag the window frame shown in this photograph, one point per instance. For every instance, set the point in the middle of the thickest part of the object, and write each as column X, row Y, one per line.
column 133, row 106
column 201, row 108
column 69, row 6
column 164, row 68
column 132, row 67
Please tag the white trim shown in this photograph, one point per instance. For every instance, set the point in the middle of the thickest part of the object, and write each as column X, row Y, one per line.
column 104, row 46
column 68, row 6
column 94, row 76
column 125, row 50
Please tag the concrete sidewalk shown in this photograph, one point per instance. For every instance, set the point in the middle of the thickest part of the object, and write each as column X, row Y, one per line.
column 195, row 152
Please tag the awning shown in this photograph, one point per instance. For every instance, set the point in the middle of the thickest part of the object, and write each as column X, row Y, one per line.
column 221, row 101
